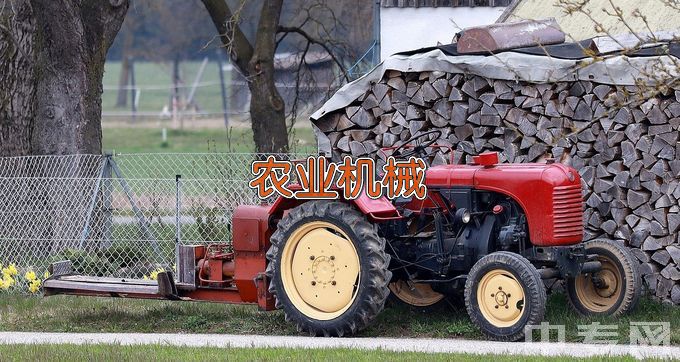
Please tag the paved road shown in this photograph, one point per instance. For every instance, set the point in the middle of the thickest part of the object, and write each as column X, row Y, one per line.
column 390, row 344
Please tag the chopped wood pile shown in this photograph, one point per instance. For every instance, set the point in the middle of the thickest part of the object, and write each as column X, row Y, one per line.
column 625, row 149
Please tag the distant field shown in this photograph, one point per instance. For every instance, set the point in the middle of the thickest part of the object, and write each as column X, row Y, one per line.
column 149, row 140
column 199, row 134
column 159, row 75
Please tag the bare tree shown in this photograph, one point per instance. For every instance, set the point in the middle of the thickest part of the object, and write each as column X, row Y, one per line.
column 52, row 55
column 255, row 59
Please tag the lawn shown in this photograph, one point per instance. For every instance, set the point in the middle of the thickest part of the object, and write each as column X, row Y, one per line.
column 121, row 134
column 82, row 314
column 155, row 83
column 149, row 140
column 170, row 353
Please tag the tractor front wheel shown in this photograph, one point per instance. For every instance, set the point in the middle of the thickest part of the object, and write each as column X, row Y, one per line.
column 614, row 289
column 503, row 294
column 328, row 268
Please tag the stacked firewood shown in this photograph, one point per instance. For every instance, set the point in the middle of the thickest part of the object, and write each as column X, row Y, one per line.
column 624, row 145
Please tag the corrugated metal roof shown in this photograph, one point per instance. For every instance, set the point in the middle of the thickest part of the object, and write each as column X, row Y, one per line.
column 442, row 3
column 578, row 26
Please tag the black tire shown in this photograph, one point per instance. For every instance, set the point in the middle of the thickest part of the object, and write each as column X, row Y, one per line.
column 532, row 308
column 628, row 288
column 373, row 277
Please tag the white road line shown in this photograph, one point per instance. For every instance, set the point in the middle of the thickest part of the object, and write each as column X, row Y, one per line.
column 390, row 344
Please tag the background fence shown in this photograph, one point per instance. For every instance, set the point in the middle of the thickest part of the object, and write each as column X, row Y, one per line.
column 117, row 215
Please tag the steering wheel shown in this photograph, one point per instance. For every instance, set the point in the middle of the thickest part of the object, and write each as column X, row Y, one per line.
column 417, row 149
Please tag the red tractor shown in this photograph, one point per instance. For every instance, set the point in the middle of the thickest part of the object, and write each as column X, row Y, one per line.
column 491, row 232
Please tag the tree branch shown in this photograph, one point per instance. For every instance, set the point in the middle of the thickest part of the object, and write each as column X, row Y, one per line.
column 237, row 45
column 310, row 39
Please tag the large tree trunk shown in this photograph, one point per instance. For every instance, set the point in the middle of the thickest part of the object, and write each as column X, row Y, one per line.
column 52, row 56
column 17, row 79
column 267, row 110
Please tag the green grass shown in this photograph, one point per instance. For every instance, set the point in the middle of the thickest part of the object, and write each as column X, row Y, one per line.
column 149, row 140
column 148, row 74
column 170, row 353
column 83, row 314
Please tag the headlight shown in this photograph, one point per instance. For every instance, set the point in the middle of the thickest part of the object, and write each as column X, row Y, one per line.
column 463, row 215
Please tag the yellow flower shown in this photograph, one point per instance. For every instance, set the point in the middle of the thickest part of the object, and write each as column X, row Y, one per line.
column 154, row 274
column 3, row 285
column 46, row 275
column 34, row 286
column 30, row 276
column 8, row 280
column 12, row 270
column 145, row 278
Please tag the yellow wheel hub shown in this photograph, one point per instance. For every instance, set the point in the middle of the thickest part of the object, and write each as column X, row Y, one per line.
column 416, row 294
column 600, row 291
column 320, row 270
column 501, row 298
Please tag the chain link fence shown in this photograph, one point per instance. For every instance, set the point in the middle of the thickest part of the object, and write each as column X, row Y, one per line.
column 118, row 215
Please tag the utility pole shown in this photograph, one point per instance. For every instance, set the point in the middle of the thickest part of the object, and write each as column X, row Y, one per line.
column 133, row 90
column 175, row 92
column 223, row 88
column 376, row 32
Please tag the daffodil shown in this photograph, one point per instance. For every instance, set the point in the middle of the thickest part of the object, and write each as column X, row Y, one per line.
column 8, row 279
column 3, row 285
column 46, row 275
column 34, row 286
column 12, row 270
column 30, row 276
column 154, row 274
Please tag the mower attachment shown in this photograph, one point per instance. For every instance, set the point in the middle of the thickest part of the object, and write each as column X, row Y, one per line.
column 64, row 281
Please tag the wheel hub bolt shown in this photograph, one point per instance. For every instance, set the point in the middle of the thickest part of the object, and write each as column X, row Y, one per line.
column 311, row 257
column 500, row 288
column 332, row 257
column 333, row 282
column 509, row 295
column 493, row 295
column 506, row 307
column 313, row 282
column 496, row 307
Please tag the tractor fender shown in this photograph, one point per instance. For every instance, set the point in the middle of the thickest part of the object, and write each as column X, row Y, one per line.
column 375, row 209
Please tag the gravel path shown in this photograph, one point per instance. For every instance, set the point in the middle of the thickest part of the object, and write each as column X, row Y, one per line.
column 390, row 344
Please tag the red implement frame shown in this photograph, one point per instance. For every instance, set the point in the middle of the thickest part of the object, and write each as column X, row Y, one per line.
column 242, row 282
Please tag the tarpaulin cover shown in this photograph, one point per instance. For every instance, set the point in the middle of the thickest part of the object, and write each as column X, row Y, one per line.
column 555, row 63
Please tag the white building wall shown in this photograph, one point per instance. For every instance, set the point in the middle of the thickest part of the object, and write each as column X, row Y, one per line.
column 404, row 29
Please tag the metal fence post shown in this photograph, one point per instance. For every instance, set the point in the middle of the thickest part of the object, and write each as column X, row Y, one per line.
column 91, row 208
column 107, row 210
column 178, row 209
column 141, row 219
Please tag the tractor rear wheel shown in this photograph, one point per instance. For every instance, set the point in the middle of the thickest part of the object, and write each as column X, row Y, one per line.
column 328, row 268
column 614, row 290
column 503, row 294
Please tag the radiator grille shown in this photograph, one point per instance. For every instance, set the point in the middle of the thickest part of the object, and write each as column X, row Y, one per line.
column 568, row 211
